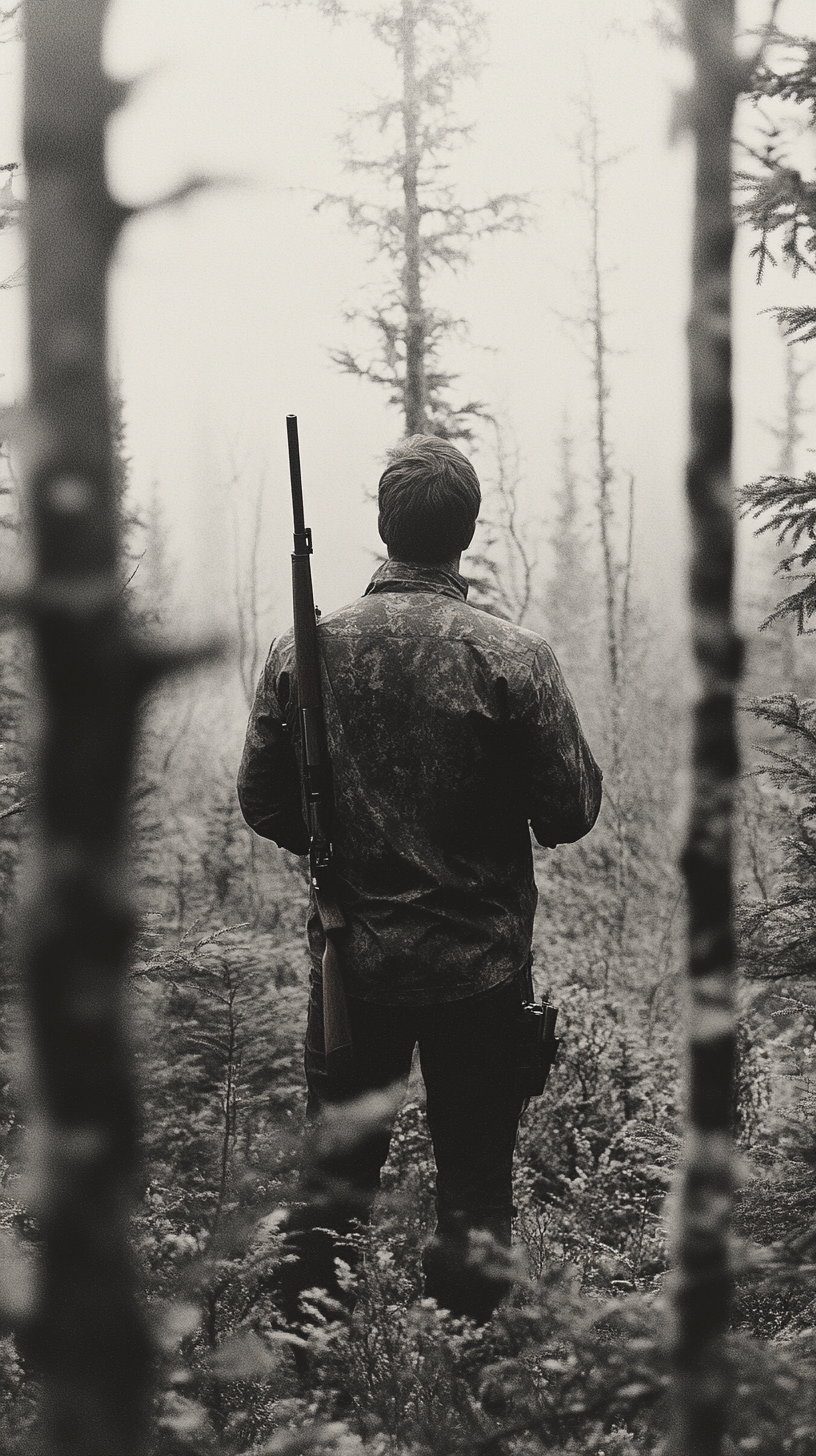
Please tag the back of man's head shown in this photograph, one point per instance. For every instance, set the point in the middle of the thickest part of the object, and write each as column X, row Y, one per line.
column 429, row 499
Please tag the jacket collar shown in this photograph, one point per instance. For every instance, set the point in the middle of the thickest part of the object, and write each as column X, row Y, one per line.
column 415, row 576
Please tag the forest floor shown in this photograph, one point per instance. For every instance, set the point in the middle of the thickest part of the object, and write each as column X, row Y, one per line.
column 575, row 1360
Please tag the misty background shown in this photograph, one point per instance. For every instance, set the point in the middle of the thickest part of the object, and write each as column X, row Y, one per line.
column 226, row 307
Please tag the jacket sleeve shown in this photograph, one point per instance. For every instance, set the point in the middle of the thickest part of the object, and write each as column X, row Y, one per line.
column 269, row 777
column 562, row 779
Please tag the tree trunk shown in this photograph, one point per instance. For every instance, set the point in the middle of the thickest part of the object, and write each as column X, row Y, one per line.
column 701, row 1282
column 88, row 1332
column 604, row 463
column 616, row 601
column 415, row 389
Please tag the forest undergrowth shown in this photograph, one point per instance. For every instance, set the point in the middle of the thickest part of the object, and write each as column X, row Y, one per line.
column 575, row 1360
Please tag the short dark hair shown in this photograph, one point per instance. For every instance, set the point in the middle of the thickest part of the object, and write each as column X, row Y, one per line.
column 429, row 499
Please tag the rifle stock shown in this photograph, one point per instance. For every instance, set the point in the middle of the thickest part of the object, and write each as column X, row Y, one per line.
column 316, row 774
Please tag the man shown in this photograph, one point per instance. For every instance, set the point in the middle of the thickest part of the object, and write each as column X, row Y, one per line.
column 450, row 731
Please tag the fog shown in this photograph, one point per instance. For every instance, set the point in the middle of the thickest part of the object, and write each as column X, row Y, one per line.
column 226, row 306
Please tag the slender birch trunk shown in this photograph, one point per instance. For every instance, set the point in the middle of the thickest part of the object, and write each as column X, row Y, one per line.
column 702, row 1281
column 600, row 381
column 616, row 576
column 88, row 1332
column 416, row 390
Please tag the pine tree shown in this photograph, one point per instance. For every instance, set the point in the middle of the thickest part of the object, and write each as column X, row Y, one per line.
column 777, row 944
column 781, row 659
column 786, row 505
column 778, row 202
column 416, row 219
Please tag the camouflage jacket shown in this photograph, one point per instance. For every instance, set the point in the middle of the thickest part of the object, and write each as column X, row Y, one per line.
column 450, row 731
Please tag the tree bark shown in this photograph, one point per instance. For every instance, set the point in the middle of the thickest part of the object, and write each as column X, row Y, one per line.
column 415, row 389
column 87, row 1329
column 701, row 1285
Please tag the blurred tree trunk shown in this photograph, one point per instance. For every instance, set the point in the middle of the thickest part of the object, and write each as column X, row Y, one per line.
column 702, row 1281
column 87, row 1330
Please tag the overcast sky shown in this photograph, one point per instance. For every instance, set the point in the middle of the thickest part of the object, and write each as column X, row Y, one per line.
column 224, row 310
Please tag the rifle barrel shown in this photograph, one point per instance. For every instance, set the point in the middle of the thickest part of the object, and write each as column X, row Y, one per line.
column 303, row 544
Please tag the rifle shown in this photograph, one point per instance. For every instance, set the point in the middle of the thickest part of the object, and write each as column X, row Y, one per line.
column 315, row 770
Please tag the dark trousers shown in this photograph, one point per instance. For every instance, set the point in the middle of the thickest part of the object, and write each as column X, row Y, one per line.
column 467, row 1054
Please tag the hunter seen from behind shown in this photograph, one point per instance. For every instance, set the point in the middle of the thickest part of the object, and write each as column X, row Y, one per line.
column 408, row 728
